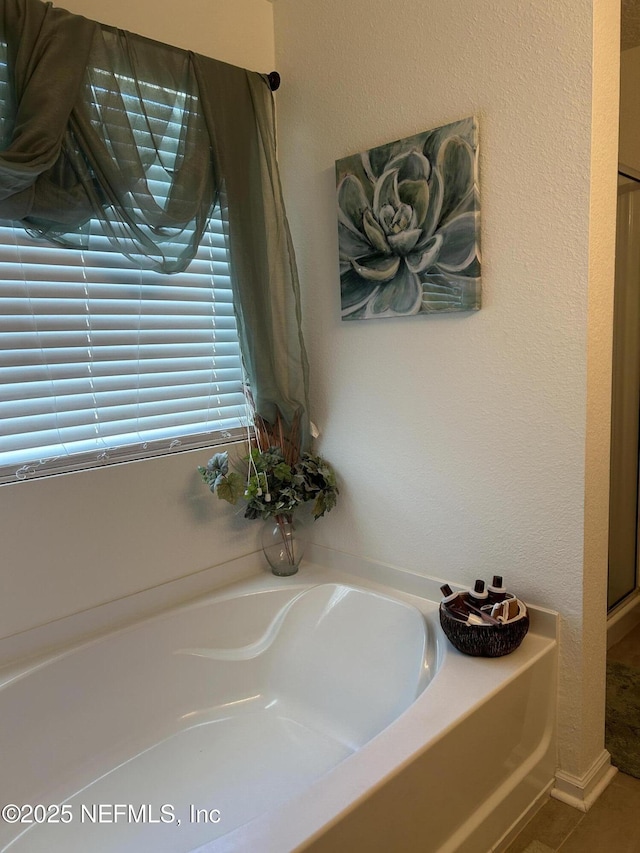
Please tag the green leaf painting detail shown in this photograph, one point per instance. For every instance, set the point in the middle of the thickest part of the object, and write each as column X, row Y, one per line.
column 409, row 225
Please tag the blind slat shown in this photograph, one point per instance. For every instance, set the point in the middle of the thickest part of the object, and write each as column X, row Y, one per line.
column 119, row 382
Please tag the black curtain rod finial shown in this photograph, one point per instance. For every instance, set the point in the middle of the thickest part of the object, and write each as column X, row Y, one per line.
column 274, row 80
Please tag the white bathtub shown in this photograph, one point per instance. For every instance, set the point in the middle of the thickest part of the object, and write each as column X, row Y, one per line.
column 323, row 712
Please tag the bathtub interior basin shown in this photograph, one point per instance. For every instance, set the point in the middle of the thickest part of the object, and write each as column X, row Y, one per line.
column 174, row 732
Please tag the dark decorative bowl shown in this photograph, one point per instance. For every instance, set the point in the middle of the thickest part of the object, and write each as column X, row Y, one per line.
column 487, row 641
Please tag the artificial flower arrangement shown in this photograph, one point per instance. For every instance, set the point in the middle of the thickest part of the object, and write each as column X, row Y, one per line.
column 276, row 481
column 272, row 485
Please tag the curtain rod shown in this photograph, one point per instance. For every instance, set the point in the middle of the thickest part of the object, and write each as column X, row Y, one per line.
column 274, row 80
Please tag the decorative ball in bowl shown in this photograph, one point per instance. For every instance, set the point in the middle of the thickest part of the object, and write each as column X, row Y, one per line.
column 487, row 641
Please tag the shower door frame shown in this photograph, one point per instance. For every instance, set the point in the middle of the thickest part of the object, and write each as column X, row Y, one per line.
column 625, row 432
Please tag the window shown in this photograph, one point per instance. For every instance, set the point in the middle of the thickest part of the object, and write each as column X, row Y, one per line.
column 101, row 361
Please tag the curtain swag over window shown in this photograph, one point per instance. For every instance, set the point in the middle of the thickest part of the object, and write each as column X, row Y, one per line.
column 77, row 140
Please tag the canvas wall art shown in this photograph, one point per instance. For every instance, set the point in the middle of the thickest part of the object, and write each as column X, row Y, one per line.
column 409, row 225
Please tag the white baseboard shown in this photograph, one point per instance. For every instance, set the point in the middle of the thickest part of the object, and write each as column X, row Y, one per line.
column 582, row 792
column 623, row 619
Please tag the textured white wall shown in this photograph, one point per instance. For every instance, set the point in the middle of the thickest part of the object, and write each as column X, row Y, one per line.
column 583, row 697
column 461, row 440
column 74, row 541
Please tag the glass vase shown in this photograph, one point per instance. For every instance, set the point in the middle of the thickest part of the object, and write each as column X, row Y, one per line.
column 284, row 539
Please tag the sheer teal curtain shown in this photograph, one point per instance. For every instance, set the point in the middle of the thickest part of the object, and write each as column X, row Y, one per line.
column 83, row 136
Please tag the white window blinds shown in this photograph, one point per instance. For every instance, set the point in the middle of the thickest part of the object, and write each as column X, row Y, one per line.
column 101, row 361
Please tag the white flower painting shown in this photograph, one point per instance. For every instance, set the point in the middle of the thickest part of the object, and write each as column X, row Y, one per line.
column 409, row 225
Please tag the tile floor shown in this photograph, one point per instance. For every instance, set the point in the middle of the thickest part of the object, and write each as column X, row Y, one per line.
column 612, row 825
